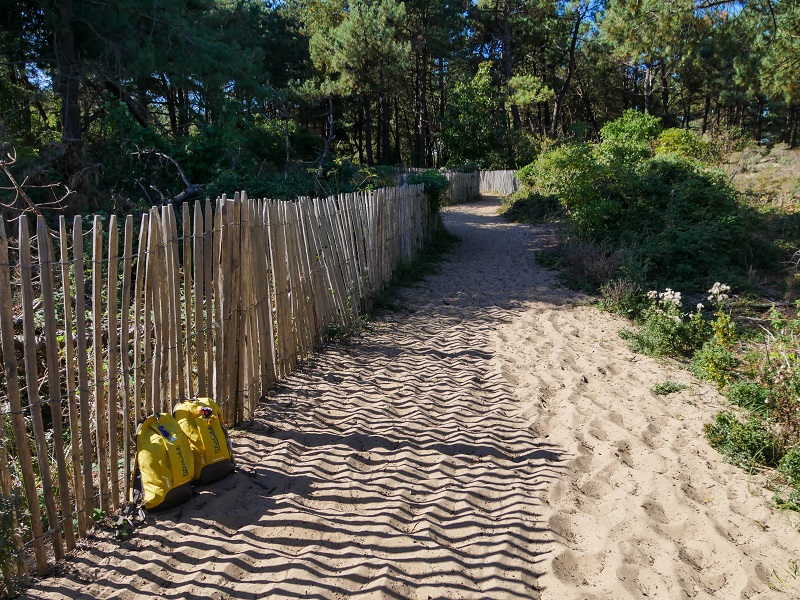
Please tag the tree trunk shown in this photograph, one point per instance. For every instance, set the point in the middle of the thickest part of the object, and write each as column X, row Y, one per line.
column 360, row 126
column 706, row 111
column 546, row 116
column 170, row 96
column 328, row 138
column 183, row 111
column 665, row 94
column 687, row 110
column 507, row 66
column 386, row 130
column 422, row 116
column 559, row 100
column 759, row 119
column 540, row 117
column 68, row 85
column 588, row 106
column 442, row 95
column 787, row 132
column 396, row 130
column 368, row 130
column 648, row 89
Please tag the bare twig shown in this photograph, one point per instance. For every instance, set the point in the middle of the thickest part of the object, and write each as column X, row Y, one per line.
column 328, row 139
column 8, row 157
column 191, row 190
column 144, row 189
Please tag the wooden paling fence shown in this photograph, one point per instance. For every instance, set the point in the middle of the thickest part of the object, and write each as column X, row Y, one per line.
column 503, row 183
column 222, row 299
column 464, row 187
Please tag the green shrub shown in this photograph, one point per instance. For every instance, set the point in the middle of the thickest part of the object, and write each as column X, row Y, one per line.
column 682, row 142
column 632, row 127
column 627, row 140
column 714, row 362
column 789, row 467
column 624, row 297
column 749, row 395
column 667, row 330
column 527, row 175
column 668, row 387
column 526, row 206
column 435, row 186
column 572, row 174
column 676, row 219
column 777, row 368
column 747, row 443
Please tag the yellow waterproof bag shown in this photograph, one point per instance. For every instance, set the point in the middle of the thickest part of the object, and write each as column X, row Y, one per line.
column 201, row 421
column 164, row 465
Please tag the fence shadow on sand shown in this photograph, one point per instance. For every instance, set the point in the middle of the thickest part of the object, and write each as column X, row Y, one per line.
column 394, row 466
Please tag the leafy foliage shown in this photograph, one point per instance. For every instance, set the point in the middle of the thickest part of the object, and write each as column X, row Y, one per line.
column 789, row 467
column 675, row 218
column 666, row 330
column 746, row 443
column 668, row 387
column 525, row 206
column 627, row 141
column 471, row 128
column 435, row 186
column 749, row 395
column 715, row 363
column 683, row 142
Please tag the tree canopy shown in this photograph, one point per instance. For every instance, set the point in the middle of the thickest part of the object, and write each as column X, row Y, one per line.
column 277, row 96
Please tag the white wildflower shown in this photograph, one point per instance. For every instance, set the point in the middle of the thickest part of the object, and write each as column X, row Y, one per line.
column 700, row 306
column 669, row 296
column 652, row 294
column 718, row 292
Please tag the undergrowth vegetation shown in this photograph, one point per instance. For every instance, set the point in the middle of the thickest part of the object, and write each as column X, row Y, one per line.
column 758, row 374
column 646, row 202
column 408, row 274
column 646, row 209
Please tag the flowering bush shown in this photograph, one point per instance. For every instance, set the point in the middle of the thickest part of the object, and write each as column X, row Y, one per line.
column 723, row 325
column 715, row 361
column 770, row 432
column 667, row 330
column 765, row 382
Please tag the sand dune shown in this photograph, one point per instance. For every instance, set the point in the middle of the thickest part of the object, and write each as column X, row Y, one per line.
column 494, row 440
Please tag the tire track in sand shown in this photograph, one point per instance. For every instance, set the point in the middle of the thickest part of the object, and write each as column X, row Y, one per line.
column 493, row 441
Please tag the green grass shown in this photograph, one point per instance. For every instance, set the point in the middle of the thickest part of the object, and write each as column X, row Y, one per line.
column 409, row 274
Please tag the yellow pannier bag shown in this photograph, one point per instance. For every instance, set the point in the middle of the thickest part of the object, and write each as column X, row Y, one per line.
column 201, row 421
column 164, row 465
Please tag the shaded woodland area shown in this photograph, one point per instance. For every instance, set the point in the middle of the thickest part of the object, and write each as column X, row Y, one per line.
column 131, row 103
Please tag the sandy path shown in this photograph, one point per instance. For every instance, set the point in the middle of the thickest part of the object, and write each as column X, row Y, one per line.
column 495, row 440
